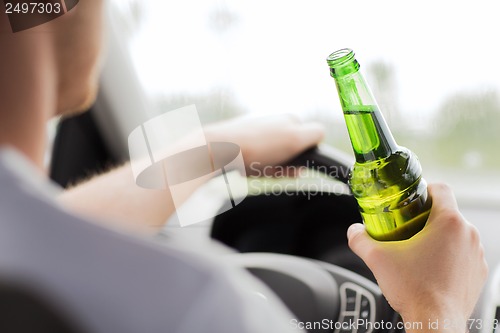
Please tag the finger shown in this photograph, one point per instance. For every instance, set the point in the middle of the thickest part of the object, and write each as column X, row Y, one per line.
column 310, row 134
column 359, row 241
column 443, row 201
column 442, row 196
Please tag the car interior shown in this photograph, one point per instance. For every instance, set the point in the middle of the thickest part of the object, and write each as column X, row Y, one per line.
column 296, row 244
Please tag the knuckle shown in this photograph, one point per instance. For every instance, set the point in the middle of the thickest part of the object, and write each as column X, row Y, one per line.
column 474, row 234
column 452, row 219
column 486, row 269
column 482, row 255
column 481, row 250
column 442, row 186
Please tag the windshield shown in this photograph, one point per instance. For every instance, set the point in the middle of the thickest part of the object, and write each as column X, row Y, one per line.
column 432, row 66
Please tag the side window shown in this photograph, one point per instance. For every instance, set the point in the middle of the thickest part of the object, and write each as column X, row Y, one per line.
column 433, row 72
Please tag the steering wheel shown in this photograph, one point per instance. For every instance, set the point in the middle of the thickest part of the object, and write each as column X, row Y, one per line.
column 296, row 244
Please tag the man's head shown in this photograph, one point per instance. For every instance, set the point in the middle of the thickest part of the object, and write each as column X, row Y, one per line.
column 65, row 52
column 78, row 43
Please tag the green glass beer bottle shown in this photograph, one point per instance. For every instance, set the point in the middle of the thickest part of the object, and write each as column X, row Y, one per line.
column 386, row 179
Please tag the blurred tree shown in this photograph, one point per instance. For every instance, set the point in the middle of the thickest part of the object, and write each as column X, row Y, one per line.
column 382, row 79
column 466, row 130
column 221, row 18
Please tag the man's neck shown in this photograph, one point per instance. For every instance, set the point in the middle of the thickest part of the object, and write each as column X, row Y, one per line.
column 27, row 98
column 29, row 139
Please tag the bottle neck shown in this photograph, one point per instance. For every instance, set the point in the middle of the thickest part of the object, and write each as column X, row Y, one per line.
column 370, row 136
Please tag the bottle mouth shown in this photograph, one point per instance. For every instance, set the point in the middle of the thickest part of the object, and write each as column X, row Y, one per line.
column 340, row 57
column 342, row 62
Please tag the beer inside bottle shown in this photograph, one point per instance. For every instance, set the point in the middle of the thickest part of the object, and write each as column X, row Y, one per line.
column 386, row 179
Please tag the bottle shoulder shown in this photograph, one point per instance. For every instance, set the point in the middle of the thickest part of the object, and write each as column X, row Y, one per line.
column 401, row 157
column 401, row 168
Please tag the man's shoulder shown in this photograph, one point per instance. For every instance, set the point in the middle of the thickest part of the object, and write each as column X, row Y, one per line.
column 30, row 215
column 35, row 227
column 114, row 282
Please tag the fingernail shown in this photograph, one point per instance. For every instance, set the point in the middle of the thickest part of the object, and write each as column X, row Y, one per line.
column 354, row 228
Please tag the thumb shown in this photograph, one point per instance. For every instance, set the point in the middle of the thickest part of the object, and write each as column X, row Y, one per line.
column 359, row 241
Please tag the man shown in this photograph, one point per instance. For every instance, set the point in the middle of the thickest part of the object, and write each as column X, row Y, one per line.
column 108, row 281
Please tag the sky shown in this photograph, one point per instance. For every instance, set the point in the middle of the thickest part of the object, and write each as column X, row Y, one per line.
column 271, row 54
